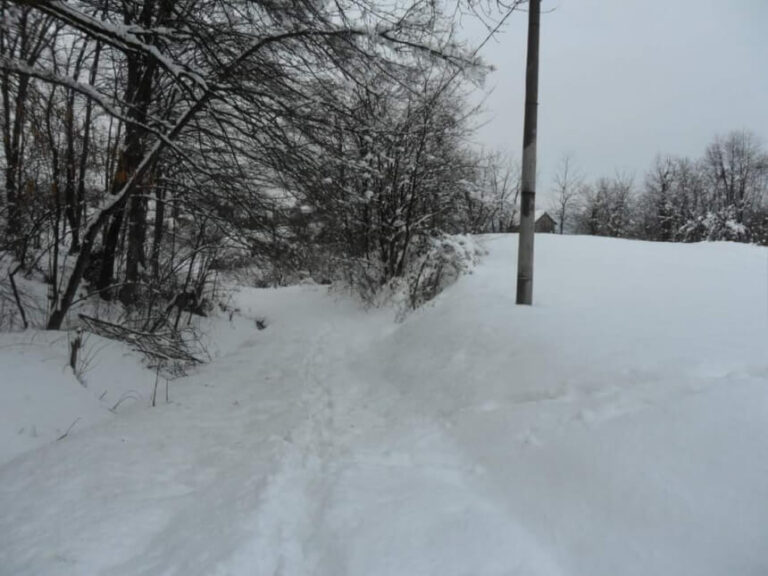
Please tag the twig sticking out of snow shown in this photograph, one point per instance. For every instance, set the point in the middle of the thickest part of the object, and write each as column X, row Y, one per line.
column 68, row 429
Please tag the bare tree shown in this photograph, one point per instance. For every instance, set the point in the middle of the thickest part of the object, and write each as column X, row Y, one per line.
column 736, row 169
column 567, row 184
column 24, row 35
column 607, row 207
column 390, row 171
column 489, row 203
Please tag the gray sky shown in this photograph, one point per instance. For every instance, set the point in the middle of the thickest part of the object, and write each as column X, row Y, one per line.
column 624, row 80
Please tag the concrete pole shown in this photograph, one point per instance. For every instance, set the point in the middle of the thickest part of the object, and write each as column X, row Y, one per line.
column 528, row 183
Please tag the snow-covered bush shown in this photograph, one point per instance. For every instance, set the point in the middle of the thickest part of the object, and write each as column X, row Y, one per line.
column 440, row 265
column 433, row 264
column 721, row 225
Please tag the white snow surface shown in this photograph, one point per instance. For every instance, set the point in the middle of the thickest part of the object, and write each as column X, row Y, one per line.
column 42, row 399
column 617, row 427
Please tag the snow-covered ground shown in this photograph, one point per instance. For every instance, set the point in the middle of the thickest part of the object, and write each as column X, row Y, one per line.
column 618, row 427
column 42, row 399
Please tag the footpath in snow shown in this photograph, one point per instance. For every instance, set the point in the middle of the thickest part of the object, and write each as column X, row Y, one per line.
column 618, row 427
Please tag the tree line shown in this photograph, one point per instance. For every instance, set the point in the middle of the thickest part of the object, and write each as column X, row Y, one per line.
column 721, row 196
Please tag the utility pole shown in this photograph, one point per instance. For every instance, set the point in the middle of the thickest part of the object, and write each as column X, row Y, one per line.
column 528, row 183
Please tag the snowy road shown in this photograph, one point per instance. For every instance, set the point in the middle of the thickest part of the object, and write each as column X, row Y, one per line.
column 620, row 426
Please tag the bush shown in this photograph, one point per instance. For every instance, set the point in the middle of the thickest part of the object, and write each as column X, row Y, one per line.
column 444, row 260
column 721, row 225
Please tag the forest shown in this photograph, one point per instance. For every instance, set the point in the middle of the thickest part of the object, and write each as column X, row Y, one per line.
column 148, row 146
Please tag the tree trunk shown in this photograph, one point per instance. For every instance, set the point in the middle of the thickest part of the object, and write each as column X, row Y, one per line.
column 12, row 141
column 135, row 261
column 133, row 151
column 157, row 236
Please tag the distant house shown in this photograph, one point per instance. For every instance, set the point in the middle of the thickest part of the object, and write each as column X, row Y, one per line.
column 545, row 224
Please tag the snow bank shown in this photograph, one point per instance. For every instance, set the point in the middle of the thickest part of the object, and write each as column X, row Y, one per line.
column 41, row 398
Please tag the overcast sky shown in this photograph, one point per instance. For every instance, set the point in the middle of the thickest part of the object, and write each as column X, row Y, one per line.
column 624, row 80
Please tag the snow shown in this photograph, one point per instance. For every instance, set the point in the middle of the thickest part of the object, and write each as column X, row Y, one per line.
column 41, row 398
column 619, row 426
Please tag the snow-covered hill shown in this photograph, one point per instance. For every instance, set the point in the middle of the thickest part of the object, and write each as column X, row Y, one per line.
column 618, row 427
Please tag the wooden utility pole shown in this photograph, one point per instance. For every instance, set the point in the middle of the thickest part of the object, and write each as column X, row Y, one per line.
column 528, row 184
